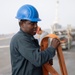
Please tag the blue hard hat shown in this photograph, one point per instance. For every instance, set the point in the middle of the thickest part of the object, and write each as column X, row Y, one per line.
column 28, row 12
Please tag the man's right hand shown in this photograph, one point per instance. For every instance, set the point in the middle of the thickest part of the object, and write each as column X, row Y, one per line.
column 55, row 43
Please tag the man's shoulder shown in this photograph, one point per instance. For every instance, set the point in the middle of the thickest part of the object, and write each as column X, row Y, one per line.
column 18, row 36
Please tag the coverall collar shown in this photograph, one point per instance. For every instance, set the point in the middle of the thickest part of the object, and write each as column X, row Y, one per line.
column 28, row 35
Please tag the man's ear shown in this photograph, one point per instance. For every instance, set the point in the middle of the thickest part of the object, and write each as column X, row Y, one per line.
column 20, row 23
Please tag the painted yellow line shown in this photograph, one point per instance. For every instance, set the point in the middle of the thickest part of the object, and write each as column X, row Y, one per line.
column 4, row 46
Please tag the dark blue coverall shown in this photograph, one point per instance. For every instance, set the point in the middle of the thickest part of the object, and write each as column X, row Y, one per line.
column 26, row 57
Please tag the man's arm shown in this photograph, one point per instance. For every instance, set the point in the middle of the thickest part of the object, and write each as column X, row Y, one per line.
column 32, row 53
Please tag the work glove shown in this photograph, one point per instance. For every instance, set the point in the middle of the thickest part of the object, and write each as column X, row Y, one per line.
column 55, row 43
column 51, row 61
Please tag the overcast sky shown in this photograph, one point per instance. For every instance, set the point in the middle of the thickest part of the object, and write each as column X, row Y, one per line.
column 46, row 9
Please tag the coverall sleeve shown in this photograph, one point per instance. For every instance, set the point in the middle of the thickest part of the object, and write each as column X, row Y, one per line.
column 28, row 50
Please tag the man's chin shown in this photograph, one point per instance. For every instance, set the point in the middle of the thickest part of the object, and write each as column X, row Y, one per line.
column 33, row 33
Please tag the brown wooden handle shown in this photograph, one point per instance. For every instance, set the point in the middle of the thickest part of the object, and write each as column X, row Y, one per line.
column 48, row 68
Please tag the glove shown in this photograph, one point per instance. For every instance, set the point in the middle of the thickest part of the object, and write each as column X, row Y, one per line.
column 55, row 43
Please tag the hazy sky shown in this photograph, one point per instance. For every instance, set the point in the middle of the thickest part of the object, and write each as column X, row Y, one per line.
column 46, row 9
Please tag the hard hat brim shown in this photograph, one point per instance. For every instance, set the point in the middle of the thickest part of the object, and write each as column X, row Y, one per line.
column 30, row 19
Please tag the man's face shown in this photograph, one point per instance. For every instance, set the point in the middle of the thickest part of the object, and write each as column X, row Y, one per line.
column 29, row 27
